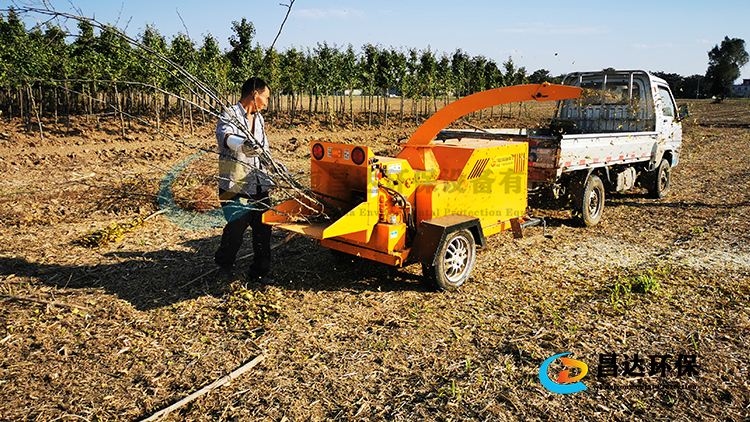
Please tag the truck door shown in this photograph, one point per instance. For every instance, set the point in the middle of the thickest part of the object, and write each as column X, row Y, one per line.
column 668, row 125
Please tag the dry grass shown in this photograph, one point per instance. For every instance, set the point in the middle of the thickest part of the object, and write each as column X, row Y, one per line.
column 119, row 331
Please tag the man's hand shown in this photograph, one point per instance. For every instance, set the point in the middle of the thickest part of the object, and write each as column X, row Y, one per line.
column 282, row 166
column 249, row 149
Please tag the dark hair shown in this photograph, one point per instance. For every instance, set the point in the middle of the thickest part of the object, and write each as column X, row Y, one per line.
column 253, row 84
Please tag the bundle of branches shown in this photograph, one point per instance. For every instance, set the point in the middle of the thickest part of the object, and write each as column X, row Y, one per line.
column 190, row 86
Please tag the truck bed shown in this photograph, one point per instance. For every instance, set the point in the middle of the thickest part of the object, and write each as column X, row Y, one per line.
column 551, row 156
column 550, row 160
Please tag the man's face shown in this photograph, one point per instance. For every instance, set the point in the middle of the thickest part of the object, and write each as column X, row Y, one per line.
column 261, row 99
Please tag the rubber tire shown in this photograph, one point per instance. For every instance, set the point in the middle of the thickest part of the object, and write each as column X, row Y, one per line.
column 455, row 261
column 662, row 179
column 590, row 202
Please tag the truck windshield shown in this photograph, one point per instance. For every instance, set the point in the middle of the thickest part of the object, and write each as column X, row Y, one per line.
column 615, row 93
column 615, row 103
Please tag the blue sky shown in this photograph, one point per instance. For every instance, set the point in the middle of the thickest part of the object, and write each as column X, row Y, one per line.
column 559, row 36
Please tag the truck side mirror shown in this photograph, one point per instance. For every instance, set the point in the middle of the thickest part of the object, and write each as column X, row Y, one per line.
column 683, row 111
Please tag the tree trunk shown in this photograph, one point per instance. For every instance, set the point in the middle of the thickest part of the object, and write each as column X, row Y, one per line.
column 10, row 105
column 401, row 113
column 119, row 112
column 130, row 108
column 415, row 107
column 20, row 103
column 87, row 103
column 351, row 105
column 156, row 111
column 95, row 96
column 369, row 119
column 385, row 109
column 190, row 116
column 57, row 103
column 40, row 112
column 182, row 112
column 67, row 109
column 203, row 114
column 28, row 108
column 36, row 110
column 291, row 107
column 309, row 105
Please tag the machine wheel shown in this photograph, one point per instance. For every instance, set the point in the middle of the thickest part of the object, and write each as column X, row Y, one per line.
column 590, row 203
column 455, row 261
column 662, row 179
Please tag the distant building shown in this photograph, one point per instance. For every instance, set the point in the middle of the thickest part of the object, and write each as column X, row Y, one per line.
column 742, row 90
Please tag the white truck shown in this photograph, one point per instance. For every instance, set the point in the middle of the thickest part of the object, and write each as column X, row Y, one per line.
column 624, row 131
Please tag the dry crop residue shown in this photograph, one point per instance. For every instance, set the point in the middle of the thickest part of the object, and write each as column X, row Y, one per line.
column 120, row 331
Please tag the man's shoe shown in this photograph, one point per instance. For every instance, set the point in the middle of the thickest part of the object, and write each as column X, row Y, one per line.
column 262, row 279
column 226, row 269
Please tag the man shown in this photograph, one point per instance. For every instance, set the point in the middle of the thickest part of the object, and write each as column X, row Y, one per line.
column 243, row 181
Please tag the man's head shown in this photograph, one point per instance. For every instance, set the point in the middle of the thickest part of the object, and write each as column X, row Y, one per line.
column 255, row 94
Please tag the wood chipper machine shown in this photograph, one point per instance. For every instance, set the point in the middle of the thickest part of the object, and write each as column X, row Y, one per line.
column 432, row 204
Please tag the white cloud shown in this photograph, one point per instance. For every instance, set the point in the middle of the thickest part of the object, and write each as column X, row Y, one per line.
column 318, row 14
column 542, row 28
column 655, row 46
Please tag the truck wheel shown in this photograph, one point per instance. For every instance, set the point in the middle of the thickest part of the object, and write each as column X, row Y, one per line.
column 455, row 261
column 662, row 180
column 590, row 204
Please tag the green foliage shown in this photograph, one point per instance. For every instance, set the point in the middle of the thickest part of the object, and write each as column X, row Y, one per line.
column 724, row 63
column 101, row 55
column 248, row 310
column 244, row 59
column 513, row 75
column 459, row 68
column 111, row 234
column 621, row 293
column 644, row 283
column 212, row 64
column 292, row 78
column 541, row 76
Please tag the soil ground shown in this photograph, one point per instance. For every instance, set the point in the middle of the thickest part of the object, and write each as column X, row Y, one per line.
column 120, row 330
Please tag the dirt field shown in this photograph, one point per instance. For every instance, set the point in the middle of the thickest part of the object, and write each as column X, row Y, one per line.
column 122, row 330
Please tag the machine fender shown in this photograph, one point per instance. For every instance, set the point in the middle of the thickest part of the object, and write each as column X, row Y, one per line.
column 431, row 234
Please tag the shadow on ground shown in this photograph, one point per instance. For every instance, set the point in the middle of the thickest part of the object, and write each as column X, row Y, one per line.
column 153, row 279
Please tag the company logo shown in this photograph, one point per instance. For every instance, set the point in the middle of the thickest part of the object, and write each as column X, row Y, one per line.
column 565, row 383
column 188, row 220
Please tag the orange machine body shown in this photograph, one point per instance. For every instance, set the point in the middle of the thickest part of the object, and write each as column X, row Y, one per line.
column 378, row 202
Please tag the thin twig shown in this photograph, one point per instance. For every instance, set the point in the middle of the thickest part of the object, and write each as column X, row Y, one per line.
column 43, row 302
column 289, row 6
column 154, row 214
column 207, row 389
